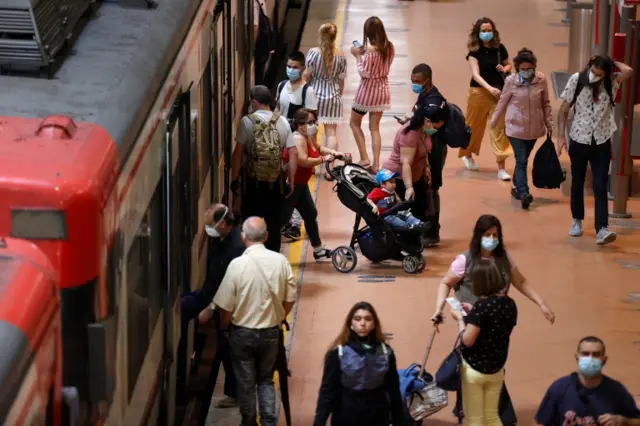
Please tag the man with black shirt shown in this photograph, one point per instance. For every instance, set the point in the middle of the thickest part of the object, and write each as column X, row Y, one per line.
column 428, row 94
column 225, row 245
column 588, row 397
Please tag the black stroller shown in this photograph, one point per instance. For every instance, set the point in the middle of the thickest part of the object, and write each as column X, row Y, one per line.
column 377, row 240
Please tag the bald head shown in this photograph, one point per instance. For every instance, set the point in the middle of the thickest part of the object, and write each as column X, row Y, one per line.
column 254, row 230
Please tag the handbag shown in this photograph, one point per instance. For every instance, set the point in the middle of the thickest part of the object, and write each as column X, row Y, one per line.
column 448, row 375
column 277, row 306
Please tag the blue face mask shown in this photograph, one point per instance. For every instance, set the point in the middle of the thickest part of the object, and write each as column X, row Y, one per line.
column 430, row 131
column 486, row 36
column 489, row 243
column 416, row 88
column 526, row 74
column 293, row 74
column 589, row 366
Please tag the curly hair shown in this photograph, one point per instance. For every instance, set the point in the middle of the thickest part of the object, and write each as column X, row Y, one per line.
column 474, row 42
column 328, row 33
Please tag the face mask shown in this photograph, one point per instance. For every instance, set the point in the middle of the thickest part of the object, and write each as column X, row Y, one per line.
column 594, row 78
column 293, row 74
column 486, row 36
column 416, row 88
column 311, row 129
column 430, row 131
column 589, row 366
column 526, row 74
column 489, row 243
column 211, row 231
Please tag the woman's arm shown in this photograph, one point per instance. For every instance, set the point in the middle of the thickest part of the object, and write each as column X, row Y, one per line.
column 303, row 154
column 505, row 97
column 475, row 73
column 523, row 286
column 546, row 107
column 329, row 388
column 449, row 281
column 406, row 157
column 469, row 332
column 392, row 383
column 363, row 64
column 625, row 71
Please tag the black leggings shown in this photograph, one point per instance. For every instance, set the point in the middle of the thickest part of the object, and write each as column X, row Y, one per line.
column 301, row 199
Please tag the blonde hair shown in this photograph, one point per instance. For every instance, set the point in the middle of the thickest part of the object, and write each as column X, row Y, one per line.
column 328, row 33
column 375, row 33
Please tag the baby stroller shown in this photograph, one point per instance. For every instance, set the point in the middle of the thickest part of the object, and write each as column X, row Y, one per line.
column 377, row 240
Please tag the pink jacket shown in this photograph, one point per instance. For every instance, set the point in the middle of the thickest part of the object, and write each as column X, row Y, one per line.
column 528, row 111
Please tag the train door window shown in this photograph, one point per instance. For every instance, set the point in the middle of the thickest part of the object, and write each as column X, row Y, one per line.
column 206, row 140
column 241, row 42
column 144, row 285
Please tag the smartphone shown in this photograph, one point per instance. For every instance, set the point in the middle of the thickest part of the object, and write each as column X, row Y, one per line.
column 398, row 119
column 455, row 305
column 357, row 44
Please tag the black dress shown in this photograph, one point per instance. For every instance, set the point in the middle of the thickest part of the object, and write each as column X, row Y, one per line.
column 378, row 407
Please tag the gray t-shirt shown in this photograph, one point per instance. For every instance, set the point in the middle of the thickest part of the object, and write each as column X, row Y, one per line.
column 244, row 134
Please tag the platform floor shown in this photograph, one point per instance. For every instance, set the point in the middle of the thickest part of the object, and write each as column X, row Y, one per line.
column 593, row 290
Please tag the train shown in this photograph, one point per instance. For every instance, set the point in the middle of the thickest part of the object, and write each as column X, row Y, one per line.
column 108, row 167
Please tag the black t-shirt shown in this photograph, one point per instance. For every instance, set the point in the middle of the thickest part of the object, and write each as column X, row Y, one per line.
column 495, row 316
column 566, row 402
column 432, row 97
column 488, row 59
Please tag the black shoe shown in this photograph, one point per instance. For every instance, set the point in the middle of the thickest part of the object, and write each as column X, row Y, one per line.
column 431, row 240
column 291, row 232
column 526, row 201
column 322, row 253
column 514, row 194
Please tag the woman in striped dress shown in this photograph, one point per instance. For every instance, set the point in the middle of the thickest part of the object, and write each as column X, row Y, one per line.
column 374, row 60
column 326, row 69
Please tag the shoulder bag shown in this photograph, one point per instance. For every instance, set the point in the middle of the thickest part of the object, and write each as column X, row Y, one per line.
column 448, row 375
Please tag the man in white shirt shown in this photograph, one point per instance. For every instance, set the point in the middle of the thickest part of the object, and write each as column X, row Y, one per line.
column 591, row 93
column 256, row 294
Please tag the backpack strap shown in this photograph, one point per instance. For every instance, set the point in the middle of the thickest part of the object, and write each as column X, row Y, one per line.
column 304, row 95
column 279, row 90
column 340, row 351
column 579, row 86
column 275, row 117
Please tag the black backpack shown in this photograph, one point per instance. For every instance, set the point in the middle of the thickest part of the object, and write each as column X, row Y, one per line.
column 547, row 173
column 266, row 40
column 456, row 132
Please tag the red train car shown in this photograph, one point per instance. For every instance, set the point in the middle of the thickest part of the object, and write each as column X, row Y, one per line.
column 31, row 353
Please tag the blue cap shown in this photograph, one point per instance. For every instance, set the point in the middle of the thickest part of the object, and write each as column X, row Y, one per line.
column 384, row 175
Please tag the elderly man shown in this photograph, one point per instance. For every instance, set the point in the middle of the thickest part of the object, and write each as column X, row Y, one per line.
column 256, row 294
column 225, row 245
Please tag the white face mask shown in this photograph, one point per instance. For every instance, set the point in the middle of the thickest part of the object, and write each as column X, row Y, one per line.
column 211, row 230
column 594, row 78
column 311, row 129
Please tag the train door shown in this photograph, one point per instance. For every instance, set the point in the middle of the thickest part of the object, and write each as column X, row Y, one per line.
column 177, row 248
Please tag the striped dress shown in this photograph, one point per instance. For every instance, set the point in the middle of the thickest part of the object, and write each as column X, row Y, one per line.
column 326, row 85
column 373, row 92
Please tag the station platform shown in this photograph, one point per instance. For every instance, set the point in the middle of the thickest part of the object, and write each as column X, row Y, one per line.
column 592, row 290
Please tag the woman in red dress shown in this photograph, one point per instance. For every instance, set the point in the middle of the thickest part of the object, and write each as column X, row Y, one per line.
column 374, row 60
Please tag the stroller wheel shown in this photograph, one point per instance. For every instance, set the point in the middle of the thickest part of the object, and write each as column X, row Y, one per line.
column 422, row 263
column 344, row 259
column 411, row 264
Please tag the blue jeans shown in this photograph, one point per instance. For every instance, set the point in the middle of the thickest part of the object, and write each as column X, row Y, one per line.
column 254, row 355
column 522, row 149
column 402, row 221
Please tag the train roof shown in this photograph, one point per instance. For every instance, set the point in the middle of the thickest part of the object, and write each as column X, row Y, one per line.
column 113, row 73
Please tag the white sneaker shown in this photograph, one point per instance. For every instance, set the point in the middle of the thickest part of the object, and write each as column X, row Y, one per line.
column 576, row 228
column 503, row 175
column 470, row 164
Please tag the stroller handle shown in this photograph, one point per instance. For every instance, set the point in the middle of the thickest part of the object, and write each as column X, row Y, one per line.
column 346, row 158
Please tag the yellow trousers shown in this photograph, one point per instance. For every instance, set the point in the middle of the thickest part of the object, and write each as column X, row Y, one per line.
column 480, row 107
column 480, row 396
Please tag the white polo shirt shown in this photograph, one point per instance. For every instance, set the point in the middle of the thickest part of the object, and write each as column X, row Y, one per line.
column 245, row 294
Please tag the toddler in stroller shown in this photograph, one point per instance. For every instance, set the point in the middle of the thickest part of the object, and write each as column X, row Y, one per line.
column 383, row 198
column 377, row 240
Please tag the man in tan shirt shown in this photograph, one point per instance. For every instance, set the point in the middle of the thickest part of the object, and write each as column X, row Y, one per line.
column 257, row 292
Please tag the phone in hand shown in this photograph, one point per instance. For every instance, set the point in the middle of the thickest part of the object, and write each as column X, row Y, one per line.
column 456, row 305
column 357, row 44
column 398, row 119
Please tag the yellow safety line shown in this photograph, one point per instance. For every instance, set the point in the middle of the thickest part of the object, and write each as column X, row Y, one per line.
column 295, row 248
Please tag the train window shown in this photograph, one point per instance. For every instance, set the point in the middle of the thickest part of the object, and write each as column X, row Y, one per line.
column 241, row 47
column 38, row 224
column 206, row 141
column 144, row 285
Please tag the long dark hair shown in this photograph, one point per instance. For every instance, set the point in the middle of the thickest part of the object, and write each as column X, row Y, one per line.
column 345, row 331
column 375, row 34
column 604, row 63
column 416, row 122
column 483, row 224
